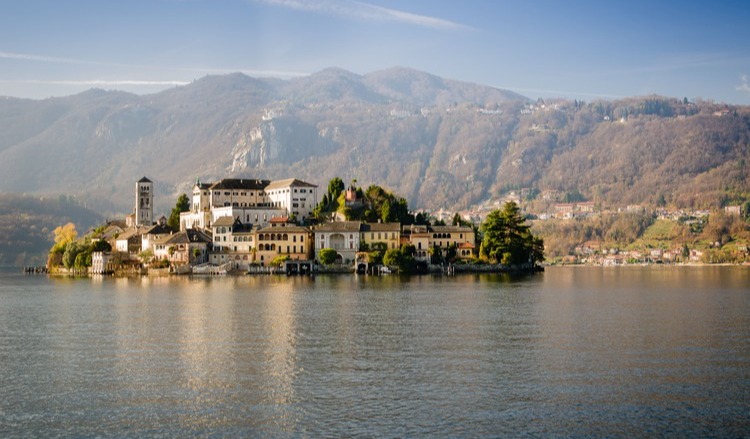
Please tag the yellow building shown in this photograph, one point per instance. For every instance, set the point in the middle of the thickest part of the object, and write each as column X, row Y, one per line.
column 382, row 236
column 282, row 238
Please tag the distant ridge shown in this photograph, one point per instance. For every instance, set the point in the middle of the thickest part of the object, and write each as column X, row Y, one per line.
column 438, row 142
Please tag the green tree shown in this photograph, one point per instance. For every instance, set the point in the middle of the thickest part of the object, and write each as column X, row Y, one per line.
column 407, row 263
column 403, row 258
column 436, row 255
column 71, row 253
column 508, row 239
column 458, row 221
column 335, row 187
column 100, row 245
column 182, row 205
column 279, row 260
column 392, row 257
column 327, row 256
column 375, row 257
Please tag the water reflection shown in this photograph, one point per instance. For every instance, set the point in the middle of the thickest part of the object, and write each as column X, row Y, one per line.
column 279, row 364
column 574, row 352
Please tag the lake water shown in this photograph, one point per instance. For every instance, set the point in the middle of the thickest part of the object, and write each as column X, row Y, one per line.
column 570, row 352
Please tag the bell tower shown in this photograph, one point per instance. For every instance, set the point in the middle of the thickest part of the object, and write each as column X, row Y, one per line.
column 144, row 202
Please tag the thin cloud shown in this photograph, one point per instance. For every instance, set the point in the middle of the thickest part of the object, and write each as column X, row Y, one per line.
column 96, row 82
column 744, row 86
column 41, row 58
column 364, row 11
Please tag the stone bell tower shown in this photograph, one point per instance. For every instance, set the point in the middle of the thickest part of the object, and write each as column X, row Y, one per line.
column 144, row 202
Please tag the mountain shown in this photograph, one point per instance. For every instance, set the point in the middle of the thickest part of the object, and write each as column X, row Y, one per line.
column 27, row 226
column 440, row 143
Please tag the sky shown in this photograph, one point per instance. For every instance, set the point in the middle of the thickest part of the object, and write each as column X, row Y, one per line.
column 585, row 50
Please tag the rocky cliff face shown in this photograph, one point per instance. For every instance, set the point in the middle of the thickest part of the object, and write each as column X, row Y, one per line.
column 439, row 143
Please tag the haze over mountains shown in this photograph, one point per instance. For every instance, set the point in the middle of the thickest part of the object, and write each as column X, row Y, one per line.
column 439, row 143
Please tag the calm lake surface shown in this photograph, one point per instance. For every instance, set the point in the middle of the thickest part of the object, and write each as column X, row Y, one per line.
column 615, row 352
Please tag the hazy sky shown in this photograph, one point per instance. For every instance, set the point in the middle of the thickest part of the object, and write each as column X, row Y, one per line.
column 576, row 49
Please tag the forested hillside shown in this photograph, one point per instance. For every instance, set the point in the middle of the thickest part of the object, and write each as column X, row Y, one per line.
column 26, row 225
column 437, row 142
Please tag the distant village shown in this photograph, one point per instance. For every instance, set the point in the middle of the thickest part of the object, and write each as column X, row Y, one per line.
column 595, row 252
column 258, row 226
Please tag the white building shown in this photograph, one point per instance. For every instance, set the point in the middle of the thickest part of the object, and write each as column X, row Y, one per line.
column 342, row 236
column 297, row 197
column 251, row 201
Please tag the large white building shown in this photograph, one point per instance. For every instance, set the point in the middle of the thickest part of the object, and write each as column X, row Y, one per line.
column 297, row 197
column 251, row 201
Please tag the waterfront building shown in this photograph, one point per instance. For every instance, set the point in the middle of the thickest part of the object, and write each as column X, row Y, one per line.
column 282, row 238
column 184, row 247
column 381, row 236
column 342, row 236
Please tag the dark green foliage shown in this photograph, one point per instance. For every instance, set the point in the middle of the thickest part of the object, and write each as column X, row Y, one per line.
column 330, row 201
column 70, row 256
column 327, row 256
column 100, row 246
column 375, row 257
column 403, row 258
column 182, row 205
column 508, row 239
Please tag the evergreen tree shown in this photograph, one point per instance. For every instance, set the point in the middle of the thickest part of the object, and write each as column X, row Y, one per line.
column 182, row 205
column 508, row 239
